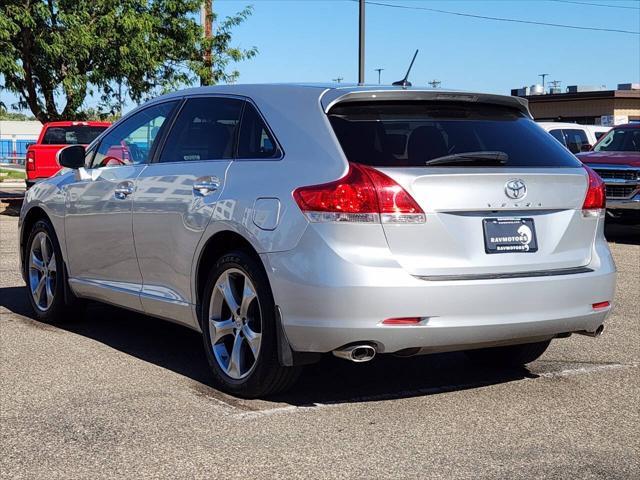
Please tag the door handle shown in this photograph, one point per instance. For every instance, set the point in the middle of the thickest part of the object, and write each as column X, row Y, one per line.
column 123, row 190
column 206, row 185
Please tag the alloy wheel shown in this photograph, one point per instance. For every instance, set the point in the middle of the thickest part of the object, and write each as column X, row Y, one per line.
column 42, row 271
column 235, row 323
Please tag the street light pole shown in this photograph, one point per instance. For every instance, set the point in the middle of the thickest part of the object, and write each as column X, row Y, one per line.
column 361, row 45
column 543, row 75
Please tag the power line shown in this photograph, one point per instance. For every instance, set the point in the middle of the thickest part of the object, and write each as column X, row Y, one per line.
column 596, row 4
column 500, row 19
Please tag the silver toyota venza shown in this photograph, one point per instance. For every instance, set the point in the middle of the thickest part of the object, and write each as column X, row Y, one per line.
column 285, row 222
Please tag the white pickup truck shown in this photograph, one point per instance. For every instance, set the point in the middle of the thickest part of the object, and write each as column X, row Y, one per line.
column 577, row 138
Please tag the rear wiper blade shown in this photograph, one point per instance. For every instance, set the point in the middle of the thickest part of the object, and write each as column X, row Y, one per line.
column 478, row 158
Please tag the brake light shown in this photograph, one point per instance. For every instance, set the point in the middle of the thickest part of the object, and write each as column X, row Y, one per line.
column 363, row 195
column 595, row 198
column 31, row 160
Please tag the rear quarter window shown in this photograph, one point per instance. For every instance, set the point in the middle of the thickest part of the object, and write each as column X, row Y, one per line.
column 409, row 134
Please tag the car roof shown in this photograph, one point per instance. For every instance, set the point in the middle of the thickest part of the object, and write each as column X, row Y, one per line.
column 628, row 125
column 330, row 93
column 561, row 125
column 69, row 123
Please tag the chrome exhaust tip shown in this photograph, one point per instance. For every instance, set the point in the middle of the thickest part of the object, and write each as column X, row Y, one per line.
column 596, row 333
column 356, row 353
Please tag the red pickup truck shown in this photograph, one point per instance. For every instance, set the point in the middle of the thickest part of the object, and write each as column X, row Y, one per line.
column 616, row 158
column 41, row 156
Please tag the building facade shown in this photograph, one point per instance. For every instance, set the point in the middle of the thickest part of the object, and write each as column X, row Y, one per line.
column 601, row 107
column 15, row 135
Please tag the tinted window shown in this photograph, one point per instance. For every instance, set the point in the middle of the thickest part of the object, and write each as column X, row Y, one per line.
column 131, row 142
column 599, row 135
column 620, row 140
column 204, row 130
column 575, row 139
column 557, row 134
column 412, row 133
column 76, row 134
column 255, row 139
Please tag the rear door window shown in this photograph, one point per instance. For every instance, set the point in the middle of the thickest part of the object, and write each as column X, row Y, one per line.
column 410, row 134
column 205, row 129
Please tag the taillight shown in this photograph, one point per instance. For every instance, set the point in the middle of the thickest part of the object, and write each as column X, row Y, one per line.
column 363, row 195
column 31, row 160
column 595, row 198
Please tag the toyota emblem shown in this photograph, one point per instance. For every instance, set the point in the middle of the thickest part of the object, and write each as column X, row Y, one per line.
column 515, row 189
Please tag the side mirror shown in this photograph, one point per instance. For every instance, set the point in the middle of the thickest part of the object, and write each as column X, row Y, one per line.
column 71, row 156
column 586, row 147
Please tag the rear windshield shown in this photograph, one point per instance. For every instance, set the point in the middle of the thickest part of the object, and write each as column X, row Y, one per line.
column 410, row 134
column 76, row 134
column 620, row 140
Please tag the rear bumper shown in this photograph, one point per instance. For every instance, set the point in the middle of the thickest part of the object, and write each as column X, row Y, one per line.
column 328, row 302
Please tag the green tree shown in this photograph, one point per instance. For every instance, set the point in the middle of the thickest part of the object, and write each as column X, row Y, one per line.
column 55, row 53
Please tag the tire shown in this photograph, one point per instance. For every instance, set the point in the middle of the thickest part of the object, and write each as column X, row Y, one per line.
column 509, row 356
column 47, row 297
column 238, row 313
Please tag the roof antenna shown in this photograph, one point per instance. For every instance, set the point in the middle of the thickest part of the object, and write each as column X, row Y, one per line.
column 405, row 81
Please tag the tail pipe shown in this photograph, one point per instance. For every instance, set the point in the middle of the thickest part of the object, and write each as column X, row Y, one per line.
column 356, row 353
column 596, row 333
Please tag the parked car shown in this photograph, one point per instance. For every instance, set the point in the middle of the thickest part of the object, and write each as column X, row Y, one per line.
column 577, row 138
column 41, row 156
column 284, row 222
column 616, row 158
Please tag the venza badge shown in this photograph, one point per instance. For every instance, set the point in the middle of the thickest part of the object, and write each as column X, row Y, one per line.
column 515, row 189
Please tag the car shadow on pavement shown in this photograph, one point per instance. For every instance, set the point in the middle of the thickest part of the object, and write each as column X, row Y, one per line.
column 622, row 233
column 331, row 381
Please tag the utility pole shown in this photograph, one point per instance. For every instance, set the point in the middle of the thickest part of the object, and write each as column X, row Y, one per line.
column 378, row 70
column 555, row 83
column 337, row 80
column 543, row 75
column 434, row 83
column 361, row 45
column 206, row 19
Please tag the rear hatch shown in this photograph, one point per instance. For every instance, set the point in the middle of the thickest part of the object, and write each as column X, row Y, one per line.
column 500, row 195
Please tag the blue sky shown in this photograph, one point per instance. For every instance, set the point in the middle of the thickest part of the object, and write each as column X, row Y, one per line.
column 316, row 41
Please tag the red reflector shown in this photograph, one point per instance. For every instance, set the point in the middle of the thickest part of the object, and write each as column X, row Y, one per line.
column 599, row 305
column 595, row 197
column 402, row 321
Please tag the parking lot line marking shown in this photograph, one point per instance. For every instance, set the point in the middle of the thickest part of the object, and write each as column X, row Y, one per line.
column 422, row 391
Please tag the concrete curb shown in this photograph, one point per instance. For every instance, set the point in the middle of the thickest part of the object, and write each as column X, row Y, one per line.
column 13, row 184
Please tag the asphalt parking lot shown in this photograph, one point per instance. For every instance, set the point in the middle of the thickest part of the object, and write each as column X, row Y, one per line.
column 121, row 395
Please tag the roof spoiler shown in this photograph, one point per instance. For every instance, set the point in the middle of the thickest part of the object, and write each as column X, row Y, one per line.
column 334, row 96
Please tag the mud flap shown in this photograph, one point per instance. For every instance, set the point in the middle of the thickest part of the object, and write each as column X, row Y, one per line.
column 286, row 356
